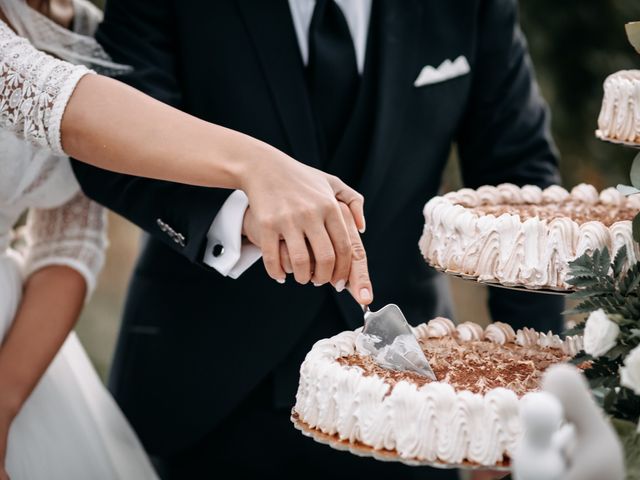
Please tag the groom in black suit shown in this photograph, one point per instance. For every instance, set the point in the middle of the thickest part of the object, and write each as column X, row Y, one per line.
column 206, row 366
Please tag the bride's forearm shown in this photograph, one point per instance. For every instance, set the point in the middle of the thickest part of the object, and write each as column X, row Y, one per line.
column 52, row 301
column 116, row 127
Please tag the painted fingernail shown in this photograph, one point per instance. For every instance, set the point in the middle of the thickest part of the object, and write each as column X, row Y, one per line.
column 340, row 285
column 317, row 284
column 364, row 226
column 365, row 295
column 289, row 270
column 281, row 280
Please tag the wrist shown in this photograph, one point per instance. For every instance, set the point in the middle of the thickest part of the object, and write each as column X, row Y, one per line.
column 247, row 226
column 257, row 162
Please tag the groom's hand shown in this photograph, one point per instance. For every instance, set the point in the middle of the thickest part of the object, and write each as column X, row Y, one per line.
column 303, row 261
column 359, row 281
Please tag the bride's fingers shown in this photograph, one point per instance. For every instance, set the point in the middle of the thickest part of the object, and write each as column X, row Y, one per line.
column 351, row 198
column 299, row 256
column 270, row 245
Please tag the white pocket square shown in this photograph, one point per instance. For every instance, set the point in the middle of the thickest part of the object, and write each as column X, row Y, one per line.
column 446, row 71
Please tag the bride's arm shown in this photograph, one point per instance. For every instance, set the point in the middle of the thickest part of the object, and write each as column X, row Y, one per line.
column 52, row 300
column 65, row 252
column 110, row 125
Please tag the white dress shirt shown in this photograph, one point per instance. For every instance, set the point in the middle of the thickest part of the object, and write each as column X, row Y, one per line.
column 227, row 251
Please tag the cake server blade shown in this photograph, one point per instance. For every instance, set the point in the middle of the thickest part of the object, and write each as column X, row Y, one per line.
column 389, row 339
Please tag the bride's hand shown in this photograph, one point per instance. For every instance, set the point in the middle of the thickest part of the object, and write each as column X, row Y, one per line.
column 299, row 204
column 359, row 282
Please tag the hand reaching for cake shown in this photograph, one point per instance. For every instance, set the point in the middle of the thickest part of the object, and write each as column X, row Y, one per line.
column 316, row 257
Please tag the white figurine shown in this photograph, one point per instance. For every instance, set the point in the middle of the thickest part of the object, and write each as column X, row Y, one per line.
column 540, row 455
column 585, row 448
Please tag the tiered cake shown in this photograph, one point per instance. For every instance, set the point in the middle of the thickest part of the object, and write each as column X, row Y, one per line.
column 469, row 416
column 524, row 236
column 619, row 119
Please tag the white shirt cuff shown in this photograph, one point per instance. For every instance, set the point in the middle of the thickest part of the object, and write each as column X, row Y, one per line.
column 227, row 252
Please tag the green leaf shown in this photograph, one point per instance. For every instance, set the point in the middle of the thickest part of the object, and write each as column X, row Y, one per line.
column 579, row 330
column 635, row 172
column 636, row 228
column 619, row 260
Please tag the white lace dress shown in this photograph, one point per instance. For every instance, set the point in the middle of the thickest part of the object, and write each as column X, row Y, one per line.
column 70, row 428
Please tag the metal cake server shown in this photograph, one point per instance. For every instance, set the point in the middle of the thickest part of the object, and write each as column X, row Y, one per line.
column 388, row 338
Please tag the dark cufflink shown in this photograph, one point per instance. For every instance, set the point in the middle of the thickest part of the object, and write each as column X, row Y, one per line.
column 218, row 250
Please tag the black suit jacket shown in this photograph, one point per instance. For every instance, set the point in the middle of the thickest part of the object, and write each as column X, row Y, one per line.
column 193, row 343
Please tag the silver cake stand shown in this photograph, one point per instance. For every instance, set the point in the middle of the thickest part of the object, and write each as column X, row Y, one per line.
column 362, row 450
column 601, row 136
column 517, row 287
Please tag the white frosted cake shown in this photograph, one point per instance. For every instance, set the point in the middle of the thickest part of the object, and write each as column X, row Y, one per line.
column 525, row 236
column 619, row 119
column 469, row 416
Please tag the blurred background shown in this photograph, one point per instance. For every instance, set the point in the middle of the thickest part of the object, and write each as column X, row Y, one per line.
column 574, row 45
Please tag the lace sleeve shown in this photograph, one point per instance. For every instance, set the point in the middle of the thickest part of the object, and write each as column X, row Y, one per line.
column 34, row 90
column 73, row 235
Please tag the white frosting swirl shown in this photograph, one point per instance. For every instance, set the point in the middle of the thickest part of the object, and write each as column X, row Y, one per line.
column 465, row 196
column 527, row 337
column 554, row 194
column 619, row 117
column 440, row 327
column 468, row 331
column 531, row 194
column 549, row 340
column 611, row 196
column 585, row 193
column 488, row 195
column 510, row 193
column 499, row 332
column 593, row 235
column 622, row 236
column 572, row 345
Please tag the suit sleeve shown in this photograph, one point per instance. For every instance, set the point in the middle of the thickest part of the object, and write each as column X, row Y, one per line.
column 142, row 34
column 505, row 137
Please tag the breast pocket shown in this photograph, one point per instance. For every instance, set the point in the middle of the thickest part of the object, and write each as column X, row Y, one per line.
column 439, row 106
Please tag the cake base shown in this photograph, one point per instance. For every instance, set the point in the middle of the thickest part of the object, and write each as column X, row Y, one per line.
column 604, row 138
column 521, row 288
column 363, row 450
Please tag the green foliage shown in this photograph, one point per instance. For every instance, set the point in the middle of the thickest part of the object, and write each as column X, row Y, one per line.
column 630, row 440
column 574, row 49
column 606, row 284
column 613, row 286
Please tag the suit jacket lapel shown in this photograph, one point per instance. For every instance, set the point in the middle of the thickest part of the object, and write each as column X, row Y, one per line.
column 399, row 28
column 271, row 29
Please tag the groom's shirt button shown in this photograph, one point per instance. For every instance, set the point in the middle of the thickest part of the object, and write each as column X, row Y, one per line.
column 218, row 250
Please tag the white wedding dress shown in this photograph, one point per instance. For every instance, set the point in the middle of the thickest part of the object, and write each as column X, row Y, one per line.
column 70, row 428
